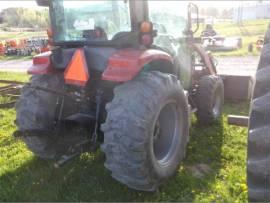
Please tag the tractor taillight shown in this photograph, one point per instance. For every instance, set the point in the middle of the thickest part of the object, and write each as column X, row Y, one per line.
column 41, row 64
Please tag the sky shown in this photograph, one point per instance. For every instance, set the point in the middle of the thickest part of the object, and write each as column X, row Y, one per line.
column 200, row 3
column 27, row 4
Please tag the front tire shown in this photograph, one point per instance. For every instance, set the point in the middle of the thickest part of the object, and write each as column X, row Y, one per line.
column 210, row 99
column 146, row 130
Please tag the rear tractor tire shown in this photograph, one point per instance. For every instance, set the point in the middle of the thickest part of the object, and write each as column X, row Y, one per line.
column 258, row 165
column 209, row 99
column 36, row 112
column 146, row 131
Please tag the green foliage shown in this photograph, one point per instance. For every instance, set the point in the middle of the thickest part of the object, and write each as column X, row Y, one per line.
column 24, row 17
column 20, row 35
column 24, row 177
column 21, row 77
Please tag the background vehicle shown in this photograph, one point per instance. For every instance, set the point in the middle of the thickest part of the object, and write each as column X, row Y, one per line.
column 24, row 47
column 122, row 74
column 213, row 42
column 259, row 43
column 218, row 43
column 2, row 48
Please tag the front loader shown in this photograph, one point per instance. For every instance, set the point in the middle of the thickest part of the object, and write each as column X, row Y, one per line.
column 122, row 75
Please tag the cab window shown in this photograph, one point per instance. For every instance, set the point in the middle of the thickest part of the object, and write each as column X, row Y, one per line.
column 169, row 17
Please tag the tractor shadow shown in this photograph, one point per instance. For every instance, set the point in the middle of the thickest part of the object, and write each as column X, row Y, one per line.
column 204, row 155
column 86, row 179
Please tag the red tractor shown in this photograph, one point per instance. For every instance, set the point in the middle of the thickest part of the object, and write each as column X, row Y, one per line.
column 123, row 75
column 2, row 48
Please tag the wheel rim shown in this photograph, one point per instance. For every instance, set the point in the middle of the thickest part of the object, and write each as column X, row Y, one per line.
column 166, row 133
column 216, row 104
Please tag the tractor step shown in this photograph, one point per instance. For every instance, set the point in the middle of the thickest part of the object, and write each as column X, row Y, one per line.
column 82, row 118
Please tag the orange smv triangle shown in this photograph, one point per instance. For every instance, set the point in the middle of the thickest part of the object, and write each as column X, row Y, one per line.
column 77, row 70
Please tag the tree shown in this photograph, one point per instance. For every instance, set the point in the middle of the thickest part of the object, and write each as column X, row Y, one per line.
column 211, row 11
column 227, row 13
column 24, row 17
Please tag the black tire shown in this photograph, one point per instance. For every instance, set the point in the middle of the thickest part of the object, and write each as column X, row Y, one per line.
column 36, row 112
column 209, row 99
column 258, row 164
column 152, row 103
column 239, row 43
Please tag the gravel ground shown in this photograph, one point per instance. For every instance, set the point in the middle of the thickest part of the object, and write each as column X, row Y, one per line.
column 15, row 65
column 245, row 66
column 226, row 65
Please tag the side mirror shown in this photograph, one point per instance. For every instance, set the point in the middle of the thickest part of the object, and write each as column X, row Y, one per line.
column 192, row 8
column 44, row 3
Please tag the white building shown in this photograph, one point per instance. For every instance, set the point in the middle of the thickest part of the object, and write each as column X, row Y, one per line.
column 252, row 12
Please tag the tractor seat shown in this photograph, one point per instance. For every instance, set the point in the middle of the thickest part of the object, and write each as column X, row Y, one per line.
column 97, row 34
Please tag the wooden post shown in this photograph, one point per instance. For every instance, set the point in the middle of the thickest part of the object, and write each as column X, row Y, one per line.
column 238, row 120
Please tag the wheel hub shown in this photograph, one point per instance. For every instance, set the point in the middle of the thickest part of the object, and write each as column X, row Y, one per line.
column 165, row 133
column 157, row 132
column 216, row 105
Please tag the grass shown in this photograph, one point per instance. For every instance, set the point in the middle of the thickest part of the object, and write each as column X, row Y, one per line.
column 20, row 77
column 20, row 35
column 10, row 58
column 244, row 50
column 23, row 177
column 249, row 28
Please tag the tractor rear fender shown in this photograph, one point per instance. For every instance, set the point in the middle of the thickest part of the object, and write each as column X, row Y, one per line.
column 122, row 65
column 41, row 64
column 126, row 64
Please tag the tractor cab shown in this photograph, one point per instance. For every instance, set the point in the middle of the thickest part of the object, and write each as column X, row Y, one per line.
column 102, row 28
column 105, row 22
column 89, row 22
